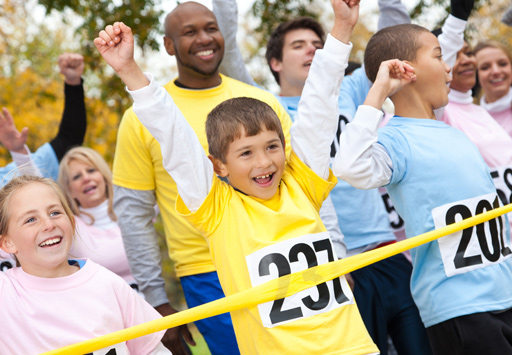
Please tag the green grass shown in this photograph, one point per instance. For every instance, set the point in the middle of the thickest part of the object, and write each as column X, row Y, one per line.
column 201, row 348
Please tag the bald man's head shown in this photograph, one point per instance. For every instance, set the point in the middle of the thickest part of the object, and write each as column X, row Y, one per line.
column 192, row 35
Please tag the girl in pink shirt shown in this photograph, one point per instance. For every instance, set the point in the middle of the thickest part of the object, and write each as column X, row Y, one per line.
column 48, row 301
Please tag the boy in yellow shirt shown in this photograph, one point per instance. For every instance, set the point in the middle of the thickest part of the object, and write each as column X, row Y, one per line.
column 265, row 222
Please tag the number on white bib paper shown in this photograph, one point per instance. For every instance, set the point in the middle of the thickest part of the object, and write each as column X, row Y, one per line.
column 474, row 247
column 291, row 256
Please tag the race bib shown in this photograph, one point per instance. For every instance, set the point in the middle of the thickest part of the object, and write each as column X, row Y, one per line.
column 290, row 256
column 475, row 247
column 6, row 261
column 395, row 221
column 118, row 349
column 502, row 178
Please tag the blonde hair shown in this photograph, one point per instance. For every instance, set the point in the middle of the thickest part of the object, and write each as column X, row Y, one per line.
column 91, row 157
column 16, row 184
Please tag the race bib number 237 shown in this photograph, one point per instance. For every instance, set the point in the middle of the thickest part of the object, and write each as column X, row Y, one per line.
column 475, row 247
column 291, row 256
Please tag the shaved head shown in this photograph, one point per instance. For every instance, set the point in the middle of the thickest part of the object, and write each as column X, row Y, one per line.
column 193, row 37
column 181, row 13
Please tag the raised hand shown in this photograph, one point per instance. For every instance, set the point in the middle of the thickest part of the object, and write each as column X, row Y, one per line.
column 462, row 8
column 10, row 137
column 346, row 14
column 393, row 75
column 72, row 67
column 115, row 44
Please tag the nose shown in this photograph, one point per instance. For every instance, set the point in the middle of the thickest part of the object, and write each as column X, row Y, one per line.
column 263, row 160
column 495, row 68
column 204, row 37
column 48, row 225
column 311, row 48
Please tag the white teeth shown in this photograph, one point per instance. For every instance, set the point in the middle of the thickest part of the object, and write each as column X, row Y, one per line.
column 263, row 177
column 50, row 242
column 205, row 53
column 496, row 81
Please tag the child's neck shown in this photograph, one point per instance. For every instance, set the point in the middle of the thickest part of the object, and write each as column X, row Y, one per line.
column 410, row 105
column 61, row 270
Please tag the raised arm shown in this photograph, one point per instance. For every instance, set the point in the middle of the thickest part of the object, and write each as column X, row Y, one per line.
column 183, row 156
column 232, row 64
column 73, row 123
column 14, row 141
column 452, row 37
column 317, row 116
column 392, row 12
column 360, row 160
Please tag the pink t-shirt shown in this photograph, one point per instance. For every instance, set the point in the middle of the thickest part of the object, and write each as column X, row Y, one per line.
column 103, row 246
column 492, row 140
column 43, row 314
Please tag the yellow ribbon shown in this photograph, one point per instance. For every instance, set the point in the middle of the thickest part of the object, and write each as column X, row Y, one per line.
column 277, row 288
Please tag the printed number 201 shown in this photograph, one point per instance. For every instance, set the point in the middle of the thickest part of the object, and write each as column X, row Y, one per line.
column 277, row 314
column 497, row 238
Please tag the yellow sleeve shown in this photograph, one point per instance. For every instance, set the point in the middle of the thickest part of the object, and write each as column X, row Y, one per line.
column 316, row 188
column 133, row 166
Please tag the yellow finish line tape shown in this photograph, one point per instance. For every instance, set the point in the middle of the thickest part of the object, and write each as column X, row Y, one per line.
column 277, row 288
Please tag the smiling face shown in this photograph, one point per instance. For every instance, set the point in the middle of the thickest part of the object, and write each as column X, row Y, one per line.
column 86, row 184
column 192, row 35
column 254, row 164
column 299, row 48
column 494, row 73
column 39, row 233
column 432, row 73
column 464, row 70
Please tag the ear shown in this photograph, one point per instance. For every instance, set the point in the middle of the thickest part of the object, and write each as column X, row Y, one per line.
column 218, row 166
column 169, row 46
column 276, row 65
column 6, row 245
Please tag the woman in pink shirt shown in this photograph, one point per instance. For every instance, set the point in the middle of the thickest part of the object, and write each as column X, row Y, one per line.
column 86, row 178
column 495, row 77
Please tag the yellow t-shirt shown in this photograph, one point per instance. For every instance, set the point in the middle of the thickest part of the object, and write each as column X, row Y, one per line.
column 253, row 241
column 138, row 164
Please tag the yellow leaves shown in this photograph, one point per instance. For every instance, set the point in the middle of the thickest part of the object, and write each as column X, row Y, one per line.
column 37, row 103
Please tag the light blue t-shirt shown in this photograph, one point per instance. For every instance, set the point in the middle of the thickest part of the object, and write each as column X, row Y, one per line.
column 44, row 158
column 439, row 177
column 361, row 213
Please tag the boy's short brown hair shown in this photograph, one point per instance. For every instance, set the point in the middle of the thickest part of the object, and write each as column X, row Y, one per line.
column 225, row 122
column 275, row 43
column 394, row 42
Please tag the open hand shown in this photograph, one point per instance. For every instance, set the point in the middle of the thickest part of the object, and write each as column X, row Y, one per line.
column 10, row 137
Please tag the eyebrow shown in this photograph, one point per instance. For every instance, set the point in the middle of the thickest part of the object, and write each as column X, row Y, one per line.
column 304, row 41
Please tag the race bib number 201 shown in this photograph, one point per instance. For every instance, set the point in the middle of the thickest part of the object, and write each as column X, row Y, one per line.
column 291, row 256
column 475, row 247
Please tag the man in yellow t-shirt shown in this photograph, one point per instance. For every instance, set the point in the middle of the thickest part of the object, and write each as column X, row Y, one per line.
column 140, row 180
column 265, row 222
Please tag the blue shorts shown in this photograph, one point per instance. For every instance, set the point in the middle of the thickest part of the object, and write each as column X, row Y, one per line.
column 217, row 331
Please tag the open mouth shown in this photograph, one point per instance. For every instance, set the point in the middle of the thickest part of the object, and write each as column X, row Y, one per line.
column 264, row 180
column 308, row 63
column 50, row 242
column 205, row 54
column 89, row 189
